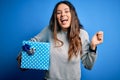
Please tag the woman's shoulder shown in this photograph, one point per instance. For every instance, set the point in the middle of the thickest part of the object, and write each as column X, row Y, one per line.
column 83, row 34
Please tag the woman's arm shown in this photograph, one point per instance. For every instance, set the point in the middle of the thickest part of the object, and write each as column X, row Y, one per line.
column 89, row 48
column 43, row 36
column 88, row 56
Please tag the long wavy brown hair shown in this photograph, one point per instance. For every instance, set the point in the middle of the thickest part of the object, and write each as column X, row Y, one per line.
column 75, row 46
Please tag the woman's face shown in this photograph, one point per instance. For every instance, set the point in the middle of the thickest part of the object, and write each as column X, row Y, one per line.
column 64, row 16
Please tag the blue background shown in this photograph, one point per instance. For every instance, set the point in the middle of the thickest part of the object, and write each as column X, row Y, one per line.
column 22, row 19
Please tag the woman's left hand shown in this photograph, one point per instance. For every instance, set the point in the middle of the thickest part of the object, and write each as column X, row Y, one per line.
column 97, row 39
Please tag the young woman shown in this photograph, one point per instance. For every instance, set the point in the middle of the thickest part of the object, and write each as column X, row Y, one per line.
column 70, row 44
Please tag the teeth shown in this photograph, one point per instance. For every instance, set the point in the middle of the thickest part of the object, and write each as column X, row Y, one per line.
column 64, row 20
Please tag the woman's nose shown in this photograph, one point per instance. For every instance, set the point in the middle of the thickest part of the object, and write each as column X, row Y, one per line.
column 63, row 13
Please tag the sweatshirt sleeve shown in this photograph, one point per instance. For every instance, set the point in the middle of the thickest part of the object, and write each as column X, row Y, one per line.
column 43, row 36
column 88, row 56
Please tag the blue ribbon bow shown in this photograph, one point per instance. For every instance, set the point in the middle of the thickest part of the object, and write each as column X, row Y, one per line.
column 27, row 48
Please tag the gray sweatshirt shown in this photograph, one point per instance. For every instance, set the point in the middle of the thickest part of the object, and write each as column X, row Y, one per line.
column 60, row 68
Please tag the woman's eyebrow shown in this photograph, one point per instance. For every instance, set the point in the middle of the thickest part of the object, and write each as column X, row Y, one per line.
column 64, row 9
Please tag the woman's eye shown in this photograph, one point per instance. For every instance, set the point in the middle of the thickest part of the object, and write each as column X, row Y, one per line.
column 67, row 11
column 58, row 12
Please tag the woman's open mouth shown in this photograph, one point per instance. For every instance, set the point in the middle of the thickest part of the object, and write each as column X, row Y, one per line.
column 64, row 21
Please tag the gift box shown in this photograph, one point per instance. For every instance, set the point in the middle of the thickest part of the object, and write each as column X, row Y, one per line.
column 40, row 58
